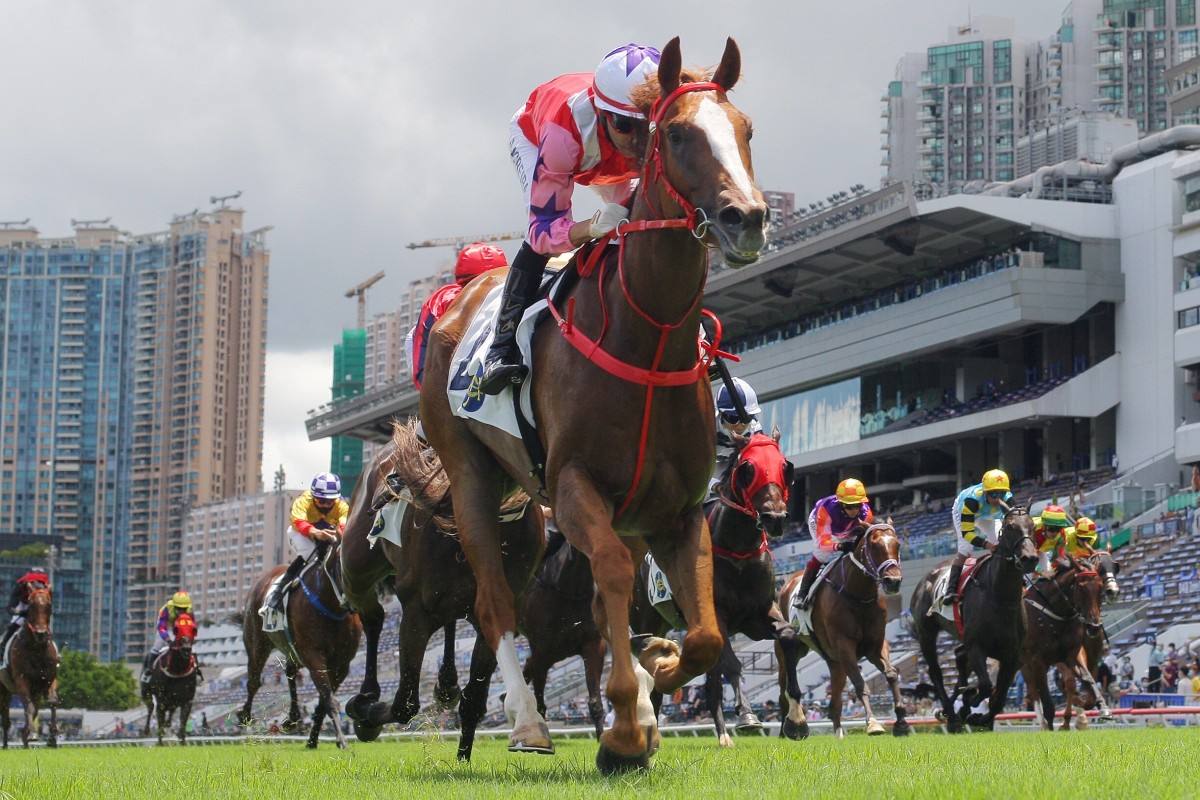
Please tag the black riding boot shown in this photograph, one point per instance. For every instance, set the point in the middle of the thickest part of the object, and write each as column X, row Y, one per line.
column 810, row 574
column 952, row 585
column 275, row 601
column 147, row 665
column 502, row 366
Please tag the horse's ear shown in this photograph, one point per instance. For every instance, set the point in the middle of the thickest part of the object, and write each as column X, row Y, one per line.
column 776, row 434
column 789, row 472
column 730, row 68
column 669, row 65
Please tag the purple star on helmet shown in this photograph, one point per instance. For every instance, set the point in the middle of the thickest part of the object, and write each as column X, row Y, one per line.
column 635, row 55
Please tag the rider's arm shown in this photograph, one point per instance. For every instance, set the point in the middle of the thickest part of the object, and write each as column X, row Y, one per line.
column 866, row 514
column 300, row 514
column 970, row 508
column 164, row 621
column 824, row 532
column 551, row 229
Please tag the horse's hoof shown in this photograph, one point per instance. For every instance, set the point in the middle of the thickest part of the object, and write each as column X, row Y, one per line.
column 874, row 728
column 311, row 745
column 748, row 723
column 794, row 730
column 446, row 697
column 378, row 715
column 290, row 725
column 366, row 733
column 52, row 742
column 531, row 739
column 359, row 706
column 611, row 763
column 901, row 728
column 725, row 740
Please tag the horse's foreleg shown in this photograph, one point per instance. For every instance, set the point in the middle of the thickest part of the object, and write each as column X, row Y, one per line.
column 535, row 673
column 1039, row 686
column 585, row 520
column 883, row 663
column 416, row 628
column 927, row 639
column 731, row 669
column 31, row 715
column 293, row 718
column 794, row 722
column 372, row 615
column 473, row 704
column 185, row 711
column 999, row 695
column 164, row 720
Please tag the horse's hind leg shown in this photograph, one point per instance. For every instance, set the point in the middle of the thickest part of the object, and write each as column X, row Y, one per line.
column 446, row 692
column 292, row 723
column 5, row 721
column 593, row 668
column 731, row 670
column 714, row 696
column 927, row 639
column 257, row 650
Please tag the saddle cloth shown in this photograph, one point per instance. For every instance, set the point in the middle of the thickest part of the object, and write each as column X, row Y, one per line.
column 801, row 618
column 388, row 521
column 7, row 647
column 466, row 369
column 938, row 607
column 274, row 621
column 658, row 592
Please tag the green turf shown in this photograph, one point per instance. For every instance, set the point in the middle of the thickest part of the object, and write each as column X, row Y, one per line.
column 1099, row 763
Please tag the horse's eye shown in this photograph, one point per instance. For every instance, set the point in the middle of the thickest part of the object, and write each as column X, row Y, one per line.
column 674, row 136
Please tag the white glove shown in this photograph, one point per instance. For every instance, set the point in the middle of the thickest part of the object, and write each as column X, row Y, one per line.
column 606, row 219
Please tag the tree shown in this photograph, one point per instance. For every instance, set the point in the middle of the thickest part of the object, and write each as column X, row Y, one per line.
column 83, row 682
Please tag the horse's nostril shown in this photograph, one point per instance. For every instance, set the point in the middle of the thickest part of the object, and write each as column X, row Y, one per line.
column 730, row 217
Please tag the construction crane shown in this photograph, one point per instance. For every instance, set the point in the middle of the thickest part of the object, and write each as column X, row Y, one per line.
column 360, row 292
column 459, row 242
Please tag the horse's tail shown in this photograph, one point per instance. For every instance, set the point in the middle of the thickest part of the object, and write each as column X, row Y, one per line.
column 909, row 623
column 419, row 467
column 238, row 618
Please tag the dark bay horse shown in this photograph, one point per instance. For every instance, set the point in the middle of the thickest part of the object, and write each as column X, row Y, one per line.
column 321, row 635
column 556, row 617
column 749, row 512
column 992, row 620
column 623, row 406
column 849, row 615
column 173, row 679
column 32, row 669
column 1059, row 613
column 432, row 580
column 1095, row 642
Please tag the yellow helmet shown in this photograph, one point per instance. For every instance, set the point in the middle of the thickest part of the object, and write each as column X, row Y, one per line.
column 995, row 480
column 1085, row 529
column 851, row 491
column 181, row 600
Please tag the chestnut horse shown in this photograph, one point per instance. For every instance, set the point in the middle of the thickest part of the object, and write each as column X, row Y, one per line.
column 623, row 407
column 993, row 624
column 1060, row 613
column 749, row 512
column 322, row 635
column 433, row 582
column 173, row 679
column 849, row 614
column 32, row 669
column 556, row 617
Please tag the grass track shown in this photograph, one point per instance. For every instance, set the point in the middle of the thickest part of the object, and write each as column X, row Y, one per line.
column 1114, row 764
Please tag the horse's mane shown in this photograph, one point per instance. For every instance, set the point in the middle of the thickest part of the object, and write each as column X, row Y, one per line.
column 644, row 95
column 421, row 471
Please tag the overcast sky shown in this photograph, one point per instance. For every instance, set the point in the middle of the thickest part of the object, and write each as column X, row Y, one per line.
column 354, row 128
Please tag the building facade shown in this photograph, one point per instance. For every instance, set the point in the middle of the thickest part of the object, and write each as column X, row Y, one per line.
column 229, row 543
column 132, row 383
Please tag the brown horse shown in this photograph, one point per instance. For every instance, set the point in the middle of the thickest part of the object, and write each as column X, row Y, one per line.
column 556, row 617
column 173, row 679
column 432, row 580
column 993, row 624
column 321, row 635
column 32, row 669
column 749, row 511
column 849, row 614
column 623, row 406
column 1059, row 613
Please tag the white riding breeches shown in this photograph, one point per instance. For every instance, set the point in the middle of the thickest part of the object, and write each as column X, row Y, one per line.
column 989, row 528
column 301, row 544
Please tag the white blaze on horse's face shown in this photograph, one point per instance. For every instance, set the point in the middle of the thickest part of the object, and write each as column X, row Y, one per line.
column 722, row 138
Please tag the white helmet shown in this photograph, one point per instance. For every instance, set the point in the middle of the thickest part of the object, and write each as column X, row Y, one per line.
column 620, row 71
column 749, row 399
column 327, row 486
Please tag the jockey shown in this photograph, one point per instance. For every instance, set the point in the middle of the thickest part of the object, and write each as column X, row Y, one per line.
column 830, row 523
column 1081, row 542
column 731, row 431
column 977, row 504
column 18, row 602
column 179, row 604
column 580, row 128
column 473, row 261
column 318, row 515
column 1051, row 532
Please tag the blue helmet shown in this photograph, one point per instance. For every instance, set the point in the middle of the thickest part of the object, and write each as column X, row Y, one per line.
column 327, row 486
column 749, row 399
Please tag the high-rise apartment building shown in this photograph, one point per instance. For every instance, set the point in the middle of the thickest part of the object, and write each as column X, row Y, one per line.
column 132, row 384
column 982, row 90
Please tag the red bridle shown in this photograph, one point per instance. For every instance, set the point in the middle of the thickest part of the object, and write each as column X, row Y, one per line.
column 652, row 376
